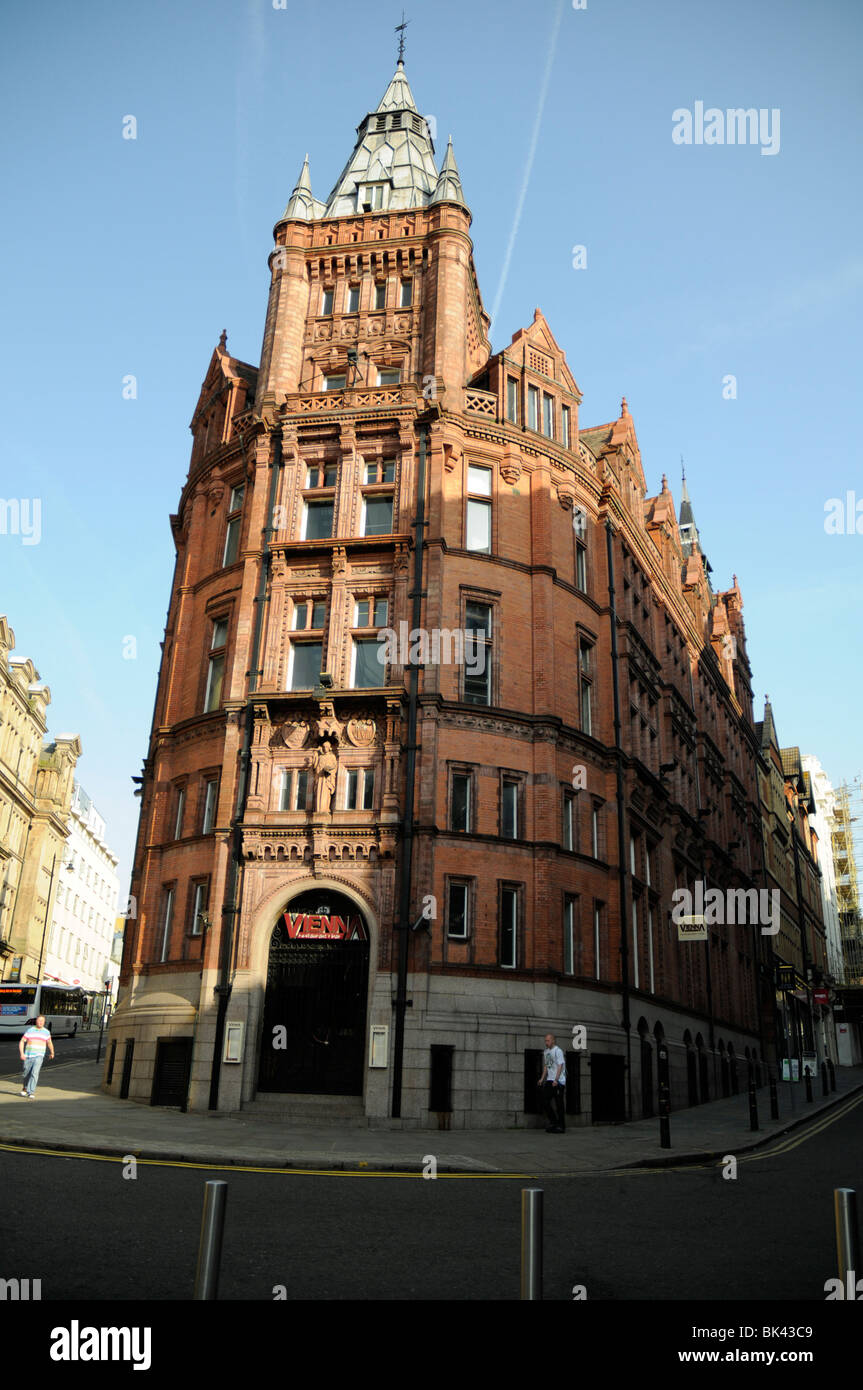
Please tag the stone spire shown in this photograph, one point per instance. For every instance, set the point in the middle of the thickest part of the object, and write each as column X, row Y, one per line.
column 689, row 537
column 302, row 206
column 449, row 189
column 768, row 728
column 690, row 540
column 398, row 95
column 392, row 165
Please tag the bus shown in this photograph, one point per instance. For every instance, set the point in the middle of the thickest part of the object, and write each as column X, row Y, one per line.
column 20, row 1005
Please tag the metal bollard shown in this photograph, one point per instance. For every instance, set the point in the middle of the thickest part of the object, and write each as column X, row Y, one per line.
column 531, row 1244
column 774, row 1098
column 808, row 1079
column 210, row 1247
column 832, row 1070
column 825, row 1085
column 753, row 1106
column 847, row 1244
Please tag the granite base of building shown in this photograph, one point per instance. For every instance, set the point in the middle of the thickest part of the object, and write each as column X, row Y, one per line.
column 473, row 1052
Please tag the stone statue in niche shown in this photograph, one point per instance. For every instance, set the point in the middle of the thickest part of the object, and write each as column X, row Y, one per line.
column 324, row 766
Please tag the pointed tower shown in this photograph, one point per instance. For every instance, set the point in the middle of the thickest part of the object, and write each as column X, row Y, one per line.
column 689, row 537
column 392, row 165
column 302, row 206
column 448, row 188
column 392, row 239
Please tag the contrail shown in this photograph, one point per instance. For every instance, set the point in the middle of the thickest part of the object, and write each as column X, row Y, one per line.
column 530, row 158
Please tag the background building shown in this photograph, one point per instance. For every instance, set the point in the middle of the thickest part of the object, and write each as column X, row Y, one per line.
column 821, row 819
column 36, row 776
column 82, row 933
column 448, row 708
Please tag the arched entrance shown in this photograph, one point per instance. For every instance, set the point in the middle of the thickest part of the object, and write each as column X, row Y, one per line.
column 314, row 1027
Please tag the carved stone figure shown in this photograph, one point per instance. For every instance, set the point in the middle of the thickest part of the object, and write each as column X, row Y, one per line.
column 324, row 765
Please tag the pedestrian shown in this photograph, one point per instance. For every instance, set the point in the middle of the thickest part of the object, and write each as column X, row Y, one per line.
column 31, row 1049
column 553, row 1083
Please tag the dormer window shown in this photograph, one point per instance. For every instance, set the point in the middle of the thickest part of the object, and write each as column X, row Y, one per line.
column 372, row 197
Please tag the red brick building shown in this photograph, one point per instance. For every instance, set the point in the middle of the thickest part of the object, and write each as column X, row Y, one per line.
column 409, row 806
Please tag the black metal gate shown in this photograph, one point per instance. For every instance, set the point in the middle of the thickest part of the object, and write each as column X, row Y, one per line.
column 646, row 1080
column 607, row 1090
column 171, row 1072
column 691, row 1076
column 126, row 1078
column 313, row 1038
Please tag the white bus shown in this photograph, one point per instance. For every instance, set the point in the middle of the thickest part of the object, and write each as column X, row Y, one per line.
column 20, row 1005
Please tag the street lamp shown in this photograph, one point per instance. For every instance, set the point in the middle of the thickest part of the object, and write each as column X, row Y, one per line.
column 106, row 1002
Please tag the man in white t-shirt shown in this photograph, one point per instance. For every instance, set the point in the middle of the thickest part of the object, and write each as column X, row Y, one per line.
column 553, row 1083
column 31, row 1049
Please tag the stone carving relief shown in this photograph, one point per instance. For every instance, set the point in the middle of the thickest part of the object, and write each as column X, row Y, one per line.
column 361, row 732
column 327, row 725
column 451, row 456
column 292, row 735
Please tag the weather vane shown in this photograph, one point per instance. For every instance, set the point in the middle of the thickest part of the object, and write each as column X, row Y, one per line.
column 400, row 30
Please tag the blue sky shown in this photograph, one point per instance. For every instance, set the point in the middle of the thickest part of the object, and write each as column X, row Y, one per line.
column 703, row 261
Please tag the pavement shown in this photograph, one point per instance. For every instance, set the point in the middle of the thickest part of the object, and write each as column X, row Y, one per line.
column 70, row 1114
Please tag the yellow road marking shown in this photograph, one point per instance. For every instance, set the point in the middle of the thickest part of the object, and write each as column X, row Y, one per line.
column 247, row 1168
column 809, row 1132
column 783, row 1146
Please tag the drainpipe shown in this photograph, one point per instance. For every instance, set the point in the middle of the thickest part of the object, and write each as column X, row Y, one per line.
column 404, row 924
column 234, row 880
column 621, row 825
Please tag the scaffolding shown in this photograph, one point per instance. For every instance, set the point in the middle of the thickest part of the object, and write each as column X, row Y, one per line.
column 846, row 823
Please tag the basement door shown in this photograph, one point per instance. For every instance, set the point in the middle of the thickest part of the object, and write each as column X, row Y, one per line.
column 313, row 1037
